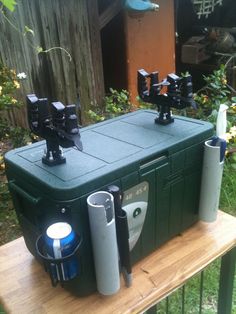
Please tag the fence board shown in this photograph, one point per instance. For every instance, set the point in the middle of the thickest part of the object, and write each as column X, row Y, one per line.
column 68, row 24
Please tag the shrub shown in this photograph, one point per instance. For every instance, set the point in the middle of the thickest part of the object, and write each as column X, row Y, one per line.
column 212, row 95
column 9, row 85
column 116, row 103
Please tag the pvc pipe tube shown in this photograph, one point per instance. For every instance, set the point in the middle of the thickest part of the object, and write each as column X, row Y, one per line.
column 211, row 183
column 104, row 241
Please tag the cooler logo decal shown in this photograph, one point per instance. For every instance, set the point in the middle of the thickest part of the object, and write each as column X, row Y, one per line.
column 135, row 203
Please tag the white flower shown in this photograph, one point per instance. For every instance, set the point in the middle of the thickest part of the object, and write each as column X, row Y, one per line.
column 21, row 76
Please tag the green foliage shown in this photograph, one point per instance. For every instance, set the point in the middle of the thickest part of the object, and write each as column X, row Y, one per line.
column 190, row 292
column 185, row 74
column 231, row 146
column 231, row 113
column 228, row 199
column 16, row 136
column 28, row 30
column 4, row 128
column 209, row 99
column 116, row 103
column 13, row 137
column 215, row 93
column 9, row 85
column 145, row 105
column 21, row 137
column 5, row 198
column 10, row 4
column 9, row 226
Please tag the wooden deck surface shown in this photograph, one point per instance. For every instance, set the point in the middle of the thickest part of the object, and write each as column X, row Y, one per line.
column 26, row 288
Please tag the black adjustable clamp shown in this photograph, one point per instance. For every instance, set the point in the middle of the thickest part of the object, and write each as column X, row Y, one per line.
column 179, row 93
column 57, row 124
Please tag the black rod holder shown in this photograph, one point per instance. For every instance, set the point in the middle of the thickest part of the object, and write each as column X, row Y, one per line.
column 179, row 93
column 57, row 124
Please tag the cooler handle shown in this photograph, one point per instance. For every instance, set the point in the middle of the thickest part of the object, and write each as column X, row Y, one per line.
column 14, row 187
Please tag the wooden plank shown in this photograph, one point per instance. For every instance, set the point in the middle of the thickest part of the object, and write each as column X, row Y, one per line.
column 150, row 45
column 24, row 285
column 72, row 25
column 110, row 12
column 96, row 51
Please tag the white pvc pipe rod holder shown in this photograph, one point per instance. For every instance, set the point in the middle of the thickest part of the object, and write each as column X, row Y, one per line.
column 212, row 171
column 104, row 241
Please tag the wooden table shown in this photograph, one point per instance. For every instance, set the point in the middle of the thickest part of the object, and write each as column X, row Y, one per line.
column 26, row 288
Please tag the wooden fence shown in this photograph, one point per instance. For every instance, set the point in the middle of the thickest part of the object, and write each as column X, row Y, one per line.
column 72, row 25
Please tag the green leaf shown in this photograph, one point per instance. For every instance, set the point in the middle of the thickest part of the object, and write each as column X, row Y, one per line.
column 10, row 4
column 234, row 157
column 214, row 85
column 28, row 30
column 233, row 166
column 39, row 49
column 185, row 74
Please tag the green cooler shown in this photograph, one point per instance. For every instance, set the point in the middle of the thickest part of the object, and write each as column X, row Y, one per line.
column 157, row 166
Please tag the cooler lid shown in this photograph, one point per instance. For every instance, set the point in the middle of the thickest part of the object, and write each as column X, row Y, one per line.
column 115, row 146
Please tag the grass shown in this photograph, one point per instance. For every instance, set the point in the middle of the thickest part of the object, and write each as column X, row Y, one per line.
column 228, row 204
column 228, row 196
column 191, row 292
